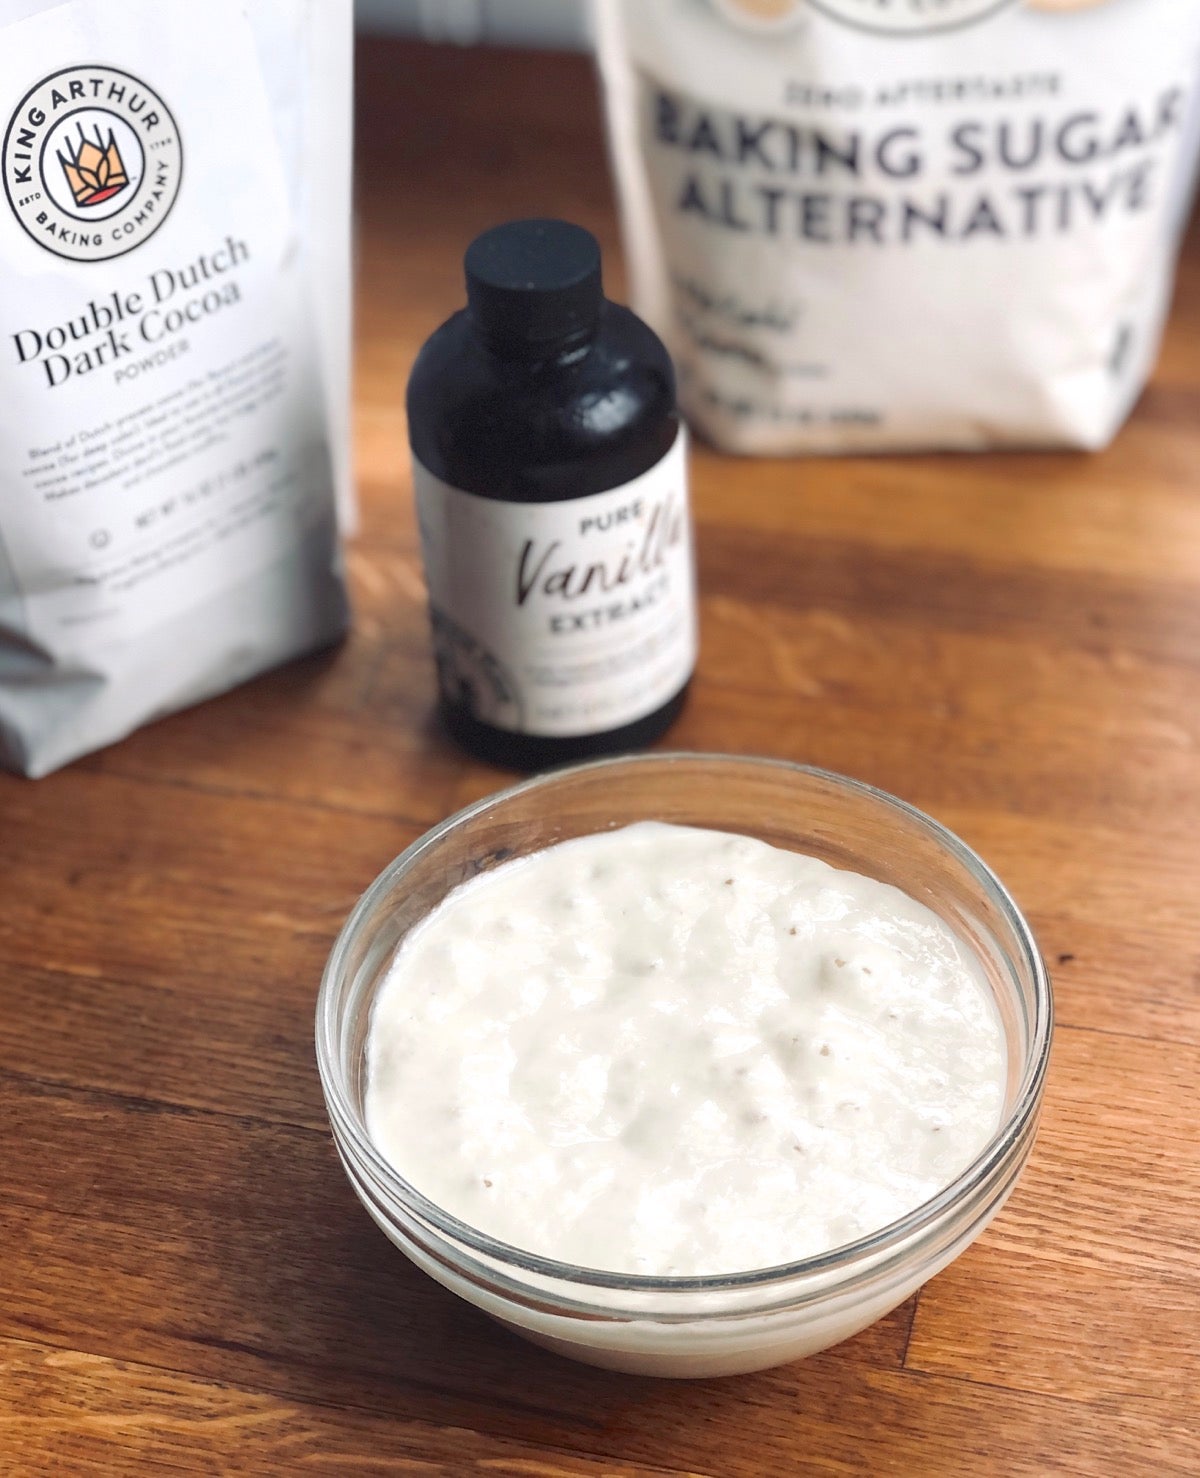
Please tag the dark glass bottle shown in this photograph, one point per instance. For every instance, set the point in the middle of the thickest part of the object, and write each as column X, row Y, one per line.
column 551, row 491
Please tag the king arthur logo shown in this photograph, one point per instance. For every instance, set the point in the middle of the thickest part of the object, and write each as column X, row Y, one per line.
column 96, row 172
column 900, row 17
column 92, row 162
column 889, row 17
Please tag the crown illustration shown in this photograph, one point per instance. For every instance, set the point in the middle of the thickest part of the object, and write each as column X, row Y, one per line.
column 94, row 171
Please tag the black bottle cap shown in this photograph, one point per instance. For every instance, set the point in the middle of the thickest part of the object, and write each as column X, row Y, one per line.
column 532, row 283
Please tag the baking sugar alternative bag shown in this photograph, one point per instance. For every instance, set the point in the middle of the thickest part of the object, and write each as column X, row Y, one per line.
column 174, row 355
column 864, row 225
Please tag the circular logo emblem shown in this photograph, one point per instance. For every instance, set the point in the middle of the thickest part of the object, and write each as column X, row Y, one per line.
column 91, row 163
column 762, row 15
column 906, row 17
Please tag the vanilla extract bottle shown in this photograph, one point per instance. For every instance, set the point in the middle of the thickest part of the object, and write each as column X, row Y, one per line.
column 550, row 475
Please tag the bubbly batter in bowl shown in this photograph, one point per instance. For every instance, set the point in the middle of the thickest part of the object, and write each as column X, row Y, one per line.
column 672, row 1051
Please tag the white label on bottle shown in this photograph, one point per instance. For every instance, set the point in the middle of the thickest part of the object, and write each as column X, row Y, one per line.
column 563, row 618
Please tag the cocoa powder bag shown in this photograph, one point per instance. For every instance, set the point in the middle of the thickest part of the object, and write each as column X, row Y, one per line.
column 174, row 355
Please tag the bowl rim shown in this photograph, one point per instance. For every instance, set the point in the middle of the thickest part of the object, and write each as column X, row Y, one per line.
column 850, row 1256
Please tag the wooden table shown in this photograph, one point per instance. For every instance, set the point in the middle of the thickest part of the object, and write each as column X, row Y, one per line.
column 1011, row 642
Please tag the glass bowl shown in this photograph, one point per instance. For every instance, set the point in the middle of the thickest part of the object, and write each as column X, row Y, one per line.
column 700, row 1326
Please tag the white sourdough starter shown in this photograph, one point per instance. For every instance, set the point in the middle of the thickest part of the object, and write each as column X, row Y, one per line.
column 664, row 1050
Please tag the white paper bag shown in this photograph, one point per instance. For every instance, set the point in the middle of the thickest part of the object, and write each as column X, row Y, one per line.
column 174, row 355
column 863, row 225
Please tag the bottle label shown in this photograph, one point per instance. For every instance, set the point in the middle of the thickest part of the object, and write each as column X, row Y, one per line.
column 562, row 619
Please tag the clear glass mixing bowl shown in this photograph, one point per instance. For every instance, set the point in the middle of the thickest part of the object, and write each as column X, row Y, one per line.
column 712, row 1325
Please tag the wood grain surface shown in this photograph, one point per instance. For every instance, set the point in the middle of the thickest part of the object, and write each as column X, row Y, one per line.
column 1011, row 642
